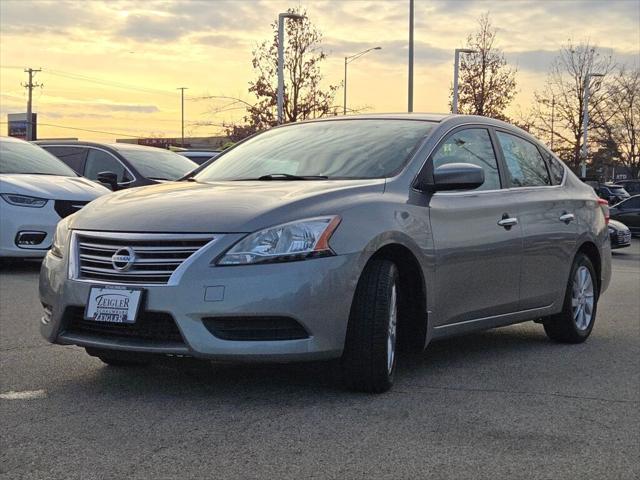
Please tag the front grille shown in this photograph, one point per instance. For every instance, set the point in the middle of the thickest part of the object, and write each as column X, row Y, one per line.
column 64, row 208
column 152, row 327
column 155, row 256
column 255, row 328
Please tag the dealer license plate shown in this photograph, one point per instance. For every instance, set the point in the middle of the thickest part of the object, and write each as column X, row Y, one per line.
column 114, row 304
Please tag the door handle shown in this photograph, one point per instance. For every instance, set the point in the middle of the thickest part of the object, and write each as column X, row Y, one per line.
column 567, row 217
column 507, row 221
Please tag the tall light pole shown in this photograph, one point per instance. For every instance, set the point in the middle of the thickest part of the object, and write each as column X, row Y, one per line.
column 348, row 60
column 585, row 122
column 456, row 67
column 410, row 86
column 281, row 18
column 30, row 86
column 182, row 89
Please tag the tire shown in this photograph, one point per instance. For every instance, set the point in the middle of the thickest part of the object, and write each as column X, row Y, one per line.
column 569, row 326
column 369, row 358
column 115, row 358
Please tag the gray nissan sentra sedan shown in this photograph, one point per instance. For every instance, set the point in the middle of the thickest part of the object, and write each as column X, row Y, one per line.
column 346, row 238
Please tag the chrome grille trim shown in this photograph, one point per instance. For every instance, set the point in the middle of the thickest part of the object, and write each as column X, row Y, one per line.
column 161, row 258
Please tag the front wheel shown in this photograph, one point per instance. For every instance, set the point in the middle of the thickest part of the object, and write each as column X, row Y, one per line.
column 575, row 322
column 369, row 359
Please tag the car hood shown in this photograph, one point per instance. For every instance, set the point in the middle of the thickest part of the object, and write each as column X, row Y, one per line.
column 224, row 207
column 51, row 187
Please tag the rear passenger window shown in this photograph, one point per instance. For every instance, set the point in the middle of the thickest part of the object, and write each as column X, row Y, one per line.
column 473, row 146
column 525, row 165
column 72, row 156
column 555, row 167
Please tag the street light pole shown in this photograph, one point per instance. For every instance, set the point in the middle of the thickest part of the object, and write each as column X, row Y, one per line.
column 585, row 122
column 410, row 86
column 280, row 99
column 182, row 89
column 456, row 67
column 348, row 60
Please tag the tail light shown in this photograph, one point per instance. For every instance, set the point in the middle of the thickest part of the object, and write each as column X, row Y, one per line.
column 605, row 209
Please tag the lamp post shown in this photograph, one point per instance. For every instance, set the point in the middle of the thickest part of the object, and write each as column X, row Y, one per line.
column 182, row 89
column 410, row 72
column 281, row 18
column 348, row 60
column 585, row 122
column 456, row 67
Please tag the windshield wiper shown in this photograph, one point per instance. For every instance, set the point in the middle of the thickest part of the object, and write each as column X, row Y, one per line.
column 288, row 176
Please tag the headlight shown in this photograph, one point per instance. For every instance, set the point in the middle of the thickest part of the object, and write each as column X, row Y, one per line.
column 61, row 238
column 24, row 200
column 283, row 243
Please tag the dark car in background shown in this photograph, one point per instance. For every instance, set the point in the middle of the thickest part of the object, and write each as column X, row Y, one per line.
column 628, row 212
column 199, row 156
column 120, row 165
column 611, row 192
column 631, row 186
column 619, row 234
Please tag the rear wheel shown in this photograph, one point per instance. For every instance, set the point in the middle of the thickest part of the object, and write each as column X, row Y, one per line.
column 575, row 322
column 116, row 358
column 369, row 359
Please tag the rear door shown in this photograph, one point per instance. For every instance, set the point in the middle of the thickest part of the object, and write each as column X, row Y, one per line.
column 546, row 215
column 477, row 259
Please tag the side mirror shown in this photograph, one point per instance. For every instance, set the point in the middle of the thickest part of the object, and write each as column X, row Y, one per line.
column 109, row 178
column 457, row 176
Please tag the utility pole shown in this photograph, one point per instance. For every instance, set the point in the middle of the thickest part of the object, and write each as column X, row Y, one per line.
column 410, row 93
column 182, row 89
column 30, row 86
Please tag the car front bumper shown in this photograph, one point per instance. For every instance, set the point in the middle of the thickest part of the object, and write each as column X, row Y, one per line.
column 316, row 293
column 16, row 219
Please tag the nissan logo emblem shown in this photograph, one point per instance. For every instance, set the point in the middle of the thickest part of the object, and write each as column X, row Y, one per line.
column 123, row 259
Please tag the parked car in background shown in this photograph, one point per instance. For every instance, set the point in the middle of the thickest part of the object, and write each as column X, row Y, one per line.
column 631, row 186
column 345, row 238
column 36, row 191
column 199, row 156
column 611, row 192
column 120, row 165
column 628, row 212
column 619, row 234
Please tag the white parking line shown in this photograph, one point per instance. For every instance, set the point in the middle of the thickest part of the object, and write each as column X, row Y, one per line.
column 25, row 395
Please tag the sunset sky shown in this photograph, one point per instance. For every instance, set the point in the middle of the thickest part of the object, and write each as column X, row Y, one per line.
column 114, row 66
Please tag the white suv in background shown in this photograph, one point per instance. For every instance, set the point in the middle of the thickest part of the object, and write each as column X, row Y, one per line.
column 36, row 191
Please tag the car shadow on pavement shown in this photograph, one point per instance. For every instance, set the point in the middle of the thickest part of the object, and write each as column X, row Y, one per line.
column 184, row 377
column 16, row 265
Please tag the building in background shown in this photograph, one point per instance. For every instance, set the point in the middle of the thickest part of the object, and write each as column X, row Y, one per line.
column 204, row 143
column 17, row 125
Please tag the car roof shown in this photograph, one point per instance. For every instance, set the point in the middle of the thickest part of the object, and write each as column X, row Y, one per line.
column 113, row 146
column 11, row 139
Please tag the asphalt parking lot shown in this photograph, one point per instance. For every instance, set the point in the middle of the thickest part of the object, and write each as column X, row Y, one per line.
column 506, row 403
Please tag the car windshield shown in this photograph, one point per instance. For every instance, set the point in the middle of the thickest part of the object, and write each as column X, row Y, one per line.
column 159, row 164
column 618, row 190
column 26, row 158
column 343, row 149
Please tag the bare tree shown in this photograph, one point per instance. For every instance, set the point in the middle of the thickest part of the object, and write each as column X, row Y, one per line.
column 304, row 96
column 618, row 121
column 487, row 84
column 563, row 95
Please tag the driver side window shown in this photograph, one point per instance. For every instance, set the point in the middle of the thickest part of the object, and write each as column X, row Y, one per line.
column 472, row 145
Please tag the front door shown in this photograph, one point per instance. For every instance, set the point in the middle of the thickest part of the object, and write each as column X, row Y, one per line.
column 477, row 239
